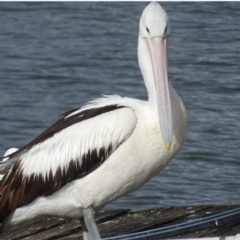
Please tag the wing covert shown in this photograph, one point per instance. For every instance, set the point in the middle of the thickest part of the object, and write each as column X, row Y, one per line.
column 56, row 158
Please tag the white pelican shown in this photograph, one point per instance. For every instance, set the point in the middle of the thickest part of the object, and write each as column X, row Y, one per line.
column 104, row 150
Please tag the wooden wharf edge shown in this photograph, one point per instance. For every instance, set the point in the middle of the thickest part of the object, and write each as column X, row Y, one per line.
column 124, row 221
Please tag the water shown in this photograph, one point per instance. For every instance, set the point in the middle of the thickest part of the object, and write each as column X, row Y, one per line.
column 56, row 56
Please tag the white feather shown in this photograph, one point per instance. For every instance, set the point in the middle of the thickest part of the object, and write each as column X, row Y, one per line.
column 8, row 152
column 76, row 140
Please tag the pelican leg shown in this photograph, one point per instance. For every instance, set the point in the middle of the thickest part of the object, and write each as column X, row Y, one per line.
column 90, row 229
column 86, row 235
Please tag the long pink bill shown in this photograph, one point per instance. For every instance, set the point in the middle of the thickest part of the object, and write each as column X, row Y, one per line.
column 158, row 51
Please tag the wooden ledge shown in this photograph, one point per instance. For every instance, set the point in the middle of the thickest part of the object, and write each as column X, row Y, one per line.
column 123, row 221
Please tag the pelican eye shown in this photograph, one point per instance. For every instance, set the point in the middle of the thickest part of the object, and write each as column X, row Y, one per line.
column 165, row 31
column 147, row 30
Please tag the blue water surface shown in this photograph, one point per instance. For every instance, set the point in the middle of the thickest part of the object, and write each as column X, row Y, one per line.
column 55, row 56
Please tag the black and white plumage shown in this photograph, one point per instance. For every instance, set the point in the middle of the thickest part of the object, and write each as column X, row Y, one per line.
column 102, row 151
column 48, row 173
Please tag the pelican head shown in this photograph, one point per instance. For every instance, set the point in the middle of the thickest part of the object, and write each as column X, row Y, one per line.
column 152, row 54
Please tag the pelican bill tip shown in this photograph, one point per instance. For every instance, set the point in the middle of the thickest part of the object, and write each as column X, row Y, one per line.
column 168, row 146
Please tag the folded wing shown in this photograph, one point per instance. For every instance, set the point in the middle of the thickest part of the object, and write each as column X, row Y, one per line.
column 76, row 145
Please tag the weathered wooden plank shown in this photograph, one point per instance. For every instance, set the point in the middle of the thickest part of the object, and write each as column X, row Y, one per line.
column 217, row 228
column 144, row 220
column 211, row 209
column 32, row 227
column 124, row 221
column 235, row 229
column 58, row 231
column 55, row 228
column 74, row 226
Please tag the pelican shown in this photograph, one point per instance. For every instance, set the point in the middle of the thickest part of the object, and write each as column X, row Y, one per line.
column 103, row 150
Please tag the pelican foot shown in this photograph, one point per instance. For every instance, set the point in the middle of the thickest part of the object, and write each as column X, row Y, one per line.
column 89, row 227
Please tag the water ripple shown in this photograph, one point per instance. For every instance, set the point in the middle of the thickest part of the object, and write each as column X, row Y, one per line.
column 56, row 56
